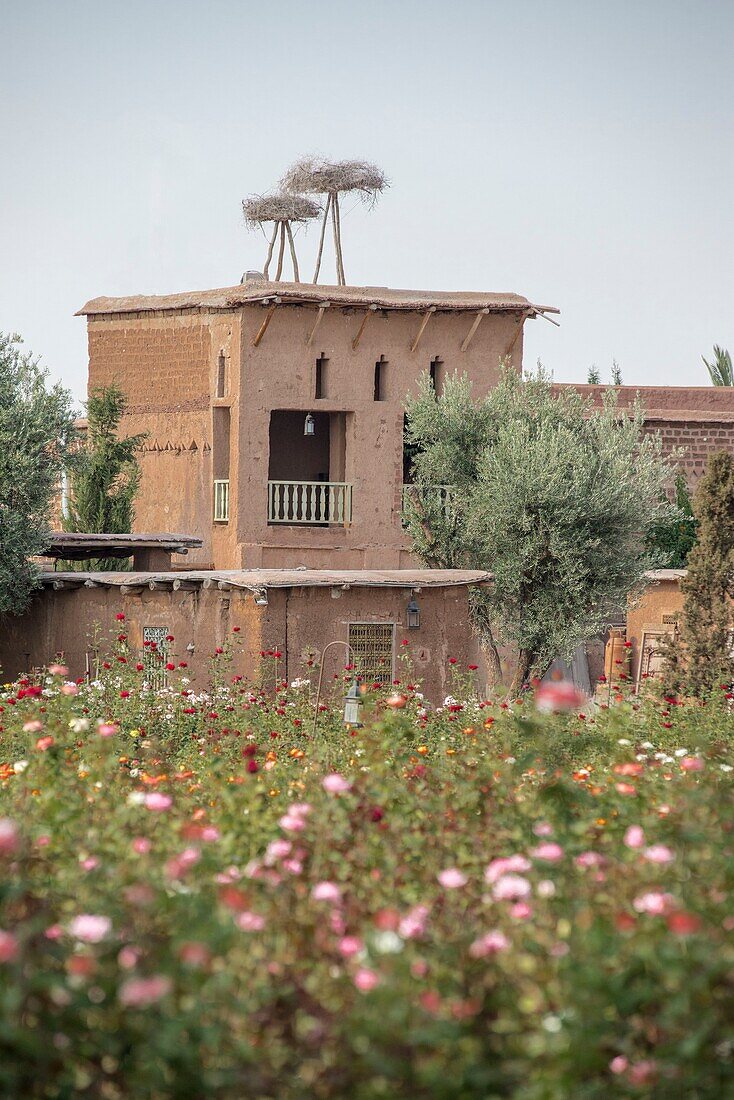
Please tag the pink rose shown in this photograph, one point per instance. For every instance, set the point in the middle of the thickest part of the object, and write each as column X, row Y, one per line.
column 413, row 924
column 510, row 888
column 9, row 837
column 107, row 729
column 366, row 980
column 653, row 902
column 70, row 688
column 505, row 865
column 157, row 801
column 452, row 878
column 34, row 726
column 350, row 946
column 489, row 944
column 142, row 845
column 549, row 852
column 141, row 992
column 634, row 837
column 559, row 697
column 90, row 928
column 292, row 823
column 659, row 853
column 58, row 670
column 692, row 764
column 250, row 922
column 326, row 891
column 335, row 784
column 9, row 947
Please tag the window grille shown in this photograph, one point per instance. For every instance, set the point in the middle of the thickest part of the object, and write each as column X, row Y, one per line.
column 373, row 648
column 670, row 620
column 153, row 659
column 221, row 501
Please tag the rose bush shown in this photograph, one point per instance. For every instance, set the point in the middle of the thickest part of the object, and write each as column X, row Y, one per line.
column 201, row 896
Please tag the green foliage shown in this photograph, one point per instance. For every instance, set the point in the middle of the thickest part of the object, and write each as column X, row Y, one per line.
column 36, row 431
column 194, row 829
column 552, row 495
column 104, row 478
column 616, row 373
column 671, row 542
column 593, row 377
column 720, row 370
column 706, row 626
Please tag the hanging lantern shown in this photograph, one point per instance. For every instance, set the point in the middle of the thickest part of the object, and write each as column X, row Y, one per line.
column 413, row 614
column 309, row 425
column 352, row 706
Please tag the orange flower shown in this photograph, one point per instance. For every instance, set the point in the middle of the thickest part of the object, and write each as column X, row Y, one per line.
column 297, row 754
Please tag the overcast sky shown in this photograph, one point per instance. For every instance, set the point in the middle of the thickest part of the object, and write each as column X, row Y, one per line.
column 579, row 152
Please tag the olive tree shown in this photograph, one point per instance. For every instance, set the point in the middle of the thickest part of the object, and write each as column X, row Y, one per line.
column 36, row 432
column 552, row 495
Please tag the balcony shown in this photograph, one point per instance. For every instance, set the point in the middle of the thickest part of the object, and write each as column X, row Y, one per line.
column 221, row 501
column 310, row 503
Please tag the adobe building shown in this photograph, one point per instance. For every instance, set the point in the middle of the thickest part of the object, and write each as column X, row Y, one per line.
column 275, row 411
column 389, row 621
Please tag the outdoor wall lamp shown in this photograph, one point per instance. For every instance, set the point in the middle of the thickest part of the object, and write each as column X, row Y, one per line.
column 413, row 614
column 261, row 597
column 309, row 425
column 352, row 705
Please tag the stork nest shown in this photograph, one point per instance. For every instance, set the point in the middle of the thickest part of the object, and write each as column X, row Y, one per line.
column 280, row 206
column 316, row 176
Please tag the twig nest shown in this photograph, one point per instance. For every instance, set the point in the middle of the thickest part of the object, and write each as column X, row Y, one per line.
column 317, row 176
column 280, row 206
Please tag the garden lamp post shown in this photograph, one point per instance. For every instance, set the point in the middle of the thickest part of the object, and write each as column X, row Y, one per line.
column 352, row 701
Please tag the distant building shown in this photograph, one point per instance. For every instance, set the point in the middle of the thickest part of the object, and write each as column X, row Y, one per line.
column 275, row 411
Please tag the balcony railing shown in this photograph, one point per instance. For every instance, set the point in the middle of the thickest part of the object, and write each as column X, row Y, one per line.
column 221, row 501
column 430, row 497
column 317, row 503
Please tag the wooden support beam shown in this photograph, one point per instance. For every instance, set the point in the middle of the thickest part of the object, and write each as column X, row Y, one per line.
column 131, row 589
column 319, row 318
column 360, row 330
column 264, row 326
column 183, row 585
column 426, row 318
column 513, row 342
column 208, row 582
column 547, row 318
column 224, row 586
column 475, row 325
column 159, row 586
column 91, row 584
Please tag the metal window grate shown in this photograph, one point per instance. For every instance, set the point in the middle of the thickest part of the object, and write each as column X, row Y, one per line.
column 154, row 660
column 373, row 647
column 221, row 501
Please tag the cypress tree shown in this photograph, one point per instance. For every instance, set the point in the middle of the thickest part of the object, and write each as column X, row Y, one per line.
column 705, row 658
column 104, row 478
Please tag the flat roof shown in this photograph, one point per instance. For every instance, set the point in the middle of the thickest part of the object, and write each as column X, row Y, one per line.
column 256, row 291
column 76, row 545
column 254, row 579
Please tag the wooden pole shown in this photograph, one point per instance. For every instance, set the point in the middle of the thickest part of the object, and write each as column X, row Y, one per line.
column 335, row 234
column 339, row 235
column 321, row 239
column 473, row 329
column 292, row 245
column 426, row 318
column 281, row 252
column 319, row 317
column 360, row 330
column 262, row 330
column 270, row 252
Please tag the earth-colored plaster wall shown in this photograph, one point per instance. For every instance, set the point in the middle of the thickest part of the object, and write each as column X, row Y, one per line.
column 167, row 363
column 661, row 598
column 63, row 624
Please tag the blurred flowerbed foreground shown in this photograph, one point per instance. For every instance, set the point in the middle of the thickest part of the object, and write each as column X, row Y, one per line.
column 201, row 898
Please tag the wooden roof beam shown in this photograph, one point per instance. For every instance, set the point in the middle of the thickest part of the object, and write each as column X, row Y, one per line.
column 319, row 318
column 264, row 326
column 426, row 318
column 475, row 325
column 370, row 312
